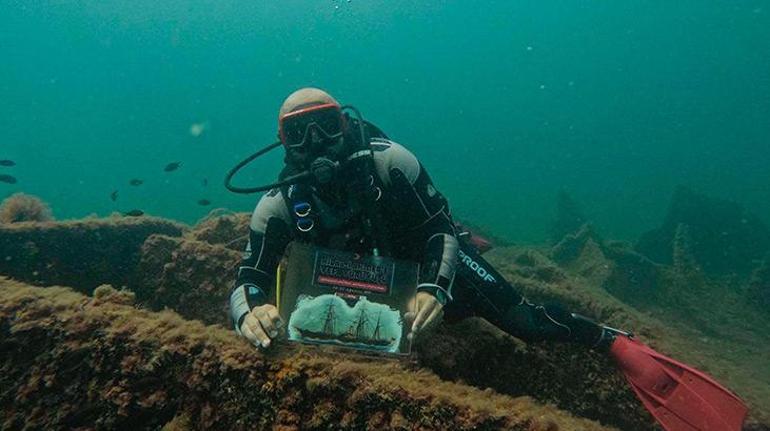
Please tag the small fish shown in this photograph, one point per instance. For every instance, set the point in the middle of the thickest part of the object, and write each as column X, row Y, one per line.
column 8, row 179
column 134, row 213
column 197, row 129
column 172, row 166
column 204, row 202
column 7, row 163
column 136, row 182
column 114, row 196
column 205, row 182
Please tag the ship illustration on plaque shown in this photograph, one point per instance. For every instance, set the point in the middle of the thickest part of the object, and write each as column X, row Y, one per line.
column 338, row 298
column 328, row 319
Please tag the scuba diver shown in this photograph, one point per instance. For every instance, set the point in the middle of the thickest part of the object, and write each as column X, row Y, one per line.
column 376, row 194
column 347, row 186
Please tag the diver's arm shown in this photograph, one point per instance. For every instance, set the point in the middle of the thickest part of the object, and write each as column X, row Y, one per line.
column 439, row 260
column 269, row 234
column 424, row 214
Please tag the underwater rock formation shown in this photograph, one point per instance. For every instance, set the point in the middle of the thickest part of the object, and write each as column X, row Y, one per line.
column 230, row 230
column 71, row 361
column 82, row 254
column 190, row 271
column 145, row 254
column 729, row 346
column 611, row 264
column 569, row 217
column 572, row 378
column 21, row 207
column 531, row 264
column 574, row 244
column 569, row 376
column 192, row 277
column 723, row 236
column 158, row 259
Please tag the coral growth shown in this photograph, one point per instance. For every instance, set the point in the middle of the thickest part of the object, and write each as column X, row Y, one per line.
column 21, row 207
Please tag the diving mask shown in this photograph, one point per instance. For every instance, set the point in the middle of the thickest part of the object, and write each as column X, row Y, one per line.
column 310, row 129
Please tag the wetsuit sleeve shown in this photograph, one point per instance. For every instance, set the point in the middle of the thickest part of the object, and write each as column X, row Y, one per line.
column 269, row 234
column 424, row 214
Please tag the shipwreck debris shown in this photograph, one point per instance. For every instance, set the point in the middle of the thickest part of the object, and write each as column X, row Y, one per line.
column 723, row 237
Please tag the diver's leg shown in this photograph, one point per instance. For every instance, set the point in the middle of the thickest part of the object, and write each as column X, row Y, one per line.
column 479, row 286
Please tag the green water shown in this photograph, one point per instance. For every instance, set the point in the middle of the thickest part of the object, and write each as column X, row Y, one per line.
column 505, row 102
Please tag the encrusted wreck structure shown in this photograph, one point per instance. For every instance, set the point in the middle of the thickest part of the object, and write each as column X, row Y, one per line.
column 139, row 338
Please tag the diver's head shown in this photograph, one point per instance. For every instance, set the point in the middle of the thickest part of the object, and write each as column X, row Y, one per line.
column 311, row 125
column 322, row 144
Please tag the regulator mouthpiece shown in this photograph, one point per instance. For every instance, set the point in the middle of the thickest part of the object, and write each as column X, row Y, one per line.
column 323, row 169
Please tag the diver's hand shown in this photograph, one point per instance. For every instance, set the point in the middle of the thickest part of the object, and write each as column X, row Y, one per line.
column 428, row 311
column 261, row 325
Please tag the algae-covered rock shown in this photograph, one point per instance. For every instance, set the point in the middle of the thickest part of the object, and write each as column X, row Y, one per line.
column 723, row 236
column 69, row 362
column 230, row 230
column 531, row 264
column 191, row 272
column 191, row 277
column 83, row 254
column 571, row 377
column 107, row 294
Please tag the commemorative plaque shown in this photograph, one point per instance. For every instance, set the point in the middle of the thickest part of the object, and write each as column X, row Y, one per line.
column 343, row 299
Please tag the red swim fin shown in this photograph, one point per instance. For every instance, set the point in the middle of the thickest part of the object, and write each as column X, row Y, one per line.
column 680, row 397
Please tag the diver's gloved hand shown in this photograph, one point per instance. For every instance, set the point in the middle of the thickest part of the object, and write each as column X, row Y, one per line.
column 261, row 325
column 428, row 312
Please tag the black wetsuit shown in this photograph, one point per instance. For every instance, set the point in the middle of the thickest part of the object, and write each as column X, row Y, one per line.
column 419, row 227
